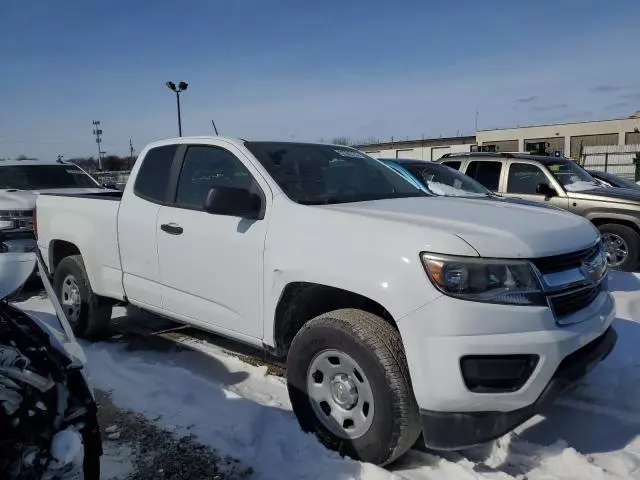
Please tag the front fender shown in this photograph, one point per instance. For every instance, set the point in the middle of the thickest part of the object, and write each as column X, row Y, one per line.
column 598, row 216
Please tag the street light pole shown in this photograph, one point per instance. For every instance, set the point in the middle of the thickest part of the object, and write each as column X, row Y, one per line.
column 181, row 87
column 179, row 116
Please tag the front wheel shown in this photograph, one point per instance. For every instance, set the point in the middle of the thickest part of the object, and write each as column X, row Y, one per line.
column 349, row 384
column 621, row 245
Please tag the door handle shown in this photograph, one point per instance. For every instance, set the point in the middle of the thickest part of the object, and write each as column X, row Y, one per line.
column 172, row 228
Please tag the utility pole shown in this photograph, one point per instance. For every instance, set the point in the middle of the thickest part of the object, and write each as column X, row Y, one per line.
column 477, row 115
column 97, row 131
column 130, row 154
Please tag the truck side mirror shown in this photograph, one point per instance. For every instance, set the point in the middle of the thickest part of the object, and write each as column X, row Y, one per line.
column 547, row 190
column 234, row 202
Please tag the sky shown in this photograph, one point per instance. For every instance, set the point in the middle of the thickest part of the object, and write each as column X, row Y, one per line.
column 306, row 71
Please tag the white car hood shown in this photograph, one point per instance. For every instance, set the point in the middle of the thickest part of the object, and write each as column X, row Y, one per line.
column 12, row 199
column 493, row 229
column 15, row 269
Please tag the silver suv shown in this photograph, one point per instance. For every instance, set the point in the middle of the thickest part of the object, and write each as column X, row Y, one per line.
column 563, row 183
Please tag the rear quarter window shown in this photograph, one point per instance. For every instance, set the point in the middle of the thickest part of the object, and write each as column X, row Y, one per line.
column 452, row 164
column 152, row 180
column 485, row 172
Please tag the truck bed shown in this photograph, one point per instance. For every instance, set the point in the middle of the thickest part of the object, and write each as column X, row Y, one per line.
column 88, row 223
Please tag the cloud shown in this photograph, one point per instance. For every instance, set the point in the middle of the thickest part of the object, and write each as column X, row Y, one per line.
column 550, row 108
column 606, row 88
column 573, row 115
column 630, row 96
column 532, row 98
column 617, row 106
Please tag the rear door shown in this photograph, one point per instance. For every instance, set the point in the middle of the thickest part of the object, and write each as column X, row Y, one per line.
column 522, row 179
column 137, row 216
column 212, row 265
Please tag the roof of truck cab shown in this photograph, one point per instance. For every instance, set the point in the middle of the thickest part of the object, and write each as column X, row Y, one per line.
column 23, row 163
column 232, row 140
column 502, row 155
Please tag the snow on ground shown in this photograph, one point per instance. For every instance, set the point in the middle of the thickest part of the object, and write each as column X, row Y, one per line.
column 593, row 432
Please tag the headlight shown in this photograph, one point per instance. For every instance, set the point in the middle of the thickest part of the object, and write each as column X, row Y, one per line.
column 481, row 280
column 6, row 224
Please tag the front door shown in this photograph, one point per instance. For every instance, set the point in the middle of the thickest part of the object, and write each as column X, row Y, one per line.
column 211, row 265
column 523, row 179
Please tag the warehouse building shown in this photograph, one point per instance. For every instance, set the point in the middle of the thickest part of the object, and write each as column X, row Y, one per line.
column 566, row 139
column 423, row 149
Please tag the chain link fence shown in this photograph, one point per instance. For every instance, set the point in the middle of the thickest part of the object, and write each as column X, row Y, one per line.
column 616, row 159
column 119, row 179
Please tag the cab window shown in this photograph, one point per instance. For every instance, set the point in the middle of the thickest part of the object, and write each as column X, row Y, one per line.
column 524, row 178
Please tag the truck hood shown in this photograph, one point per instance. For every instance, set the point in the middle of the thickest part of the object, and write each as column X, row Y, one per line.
column 493, row 229
column 608, row 194
column 12, row 199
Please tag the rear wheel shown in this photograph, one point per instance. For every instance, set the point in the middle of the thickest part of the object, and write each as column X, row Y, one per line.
column 88, row 313
column 622, row 246
column 349, row 384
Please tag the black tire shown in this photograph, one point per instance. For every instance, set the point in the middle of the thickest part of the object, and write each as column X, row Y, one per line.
column 92, row 453
column 632, row 240
column 377, row 347
column 95, row 311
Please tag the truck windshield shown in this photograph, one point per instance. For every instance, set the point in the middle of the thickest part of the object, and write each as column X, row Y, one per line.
column 572, row 177
column 44, row 177
column 313, row 174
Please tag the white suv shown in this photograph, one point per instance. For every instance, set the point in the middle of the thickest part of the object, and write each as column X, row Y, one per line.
column 20, row 183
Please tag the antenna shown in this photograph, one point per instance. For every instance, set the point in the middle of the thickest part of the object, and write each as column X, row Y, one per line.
column 214, row 127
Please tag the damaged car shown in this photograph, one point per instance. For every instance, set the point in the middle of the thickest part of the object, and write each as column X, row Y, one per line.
column 48, row 421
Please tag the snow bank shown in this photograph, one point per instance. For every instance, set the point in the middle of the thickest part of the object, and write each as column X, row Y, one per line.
column 261, row 435
column 592, row 432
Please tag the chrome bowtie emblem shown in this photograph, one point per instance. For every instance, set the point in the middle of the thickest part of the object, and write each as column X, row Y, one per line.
column 594, row 268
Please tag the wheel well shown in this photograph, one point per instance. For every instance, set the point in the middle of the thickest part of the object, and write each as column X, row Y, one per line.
column 302, row 301
column 627, row 223
column 59, row 250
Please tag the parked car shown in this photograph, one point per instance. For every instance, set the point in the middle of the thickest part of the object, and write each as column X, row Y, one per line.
column 563, row 183
column 48, row 414
column 20, row 183
column 437, row 179
column 607, row 179
column 397, row 312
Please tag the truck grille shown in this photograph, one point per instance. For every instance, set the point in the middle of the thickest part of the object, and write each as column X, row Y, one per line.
column 567, row 261
column 565, row 304
column 22, row 219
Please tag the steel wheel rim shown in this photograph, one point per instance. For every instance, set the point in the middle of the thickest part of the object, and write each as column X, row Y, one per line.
column 70, row 299
column 616, row 249
column 340, row 394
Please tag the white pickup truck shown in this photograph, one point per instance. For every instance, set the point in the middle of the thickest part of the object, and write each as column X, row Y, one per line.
column 398, row 312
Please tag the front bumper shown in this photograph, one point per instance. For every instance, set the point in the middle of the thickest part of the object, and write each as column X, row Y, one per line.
column 455, row 430
column 443, row 332
column 19, row 245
